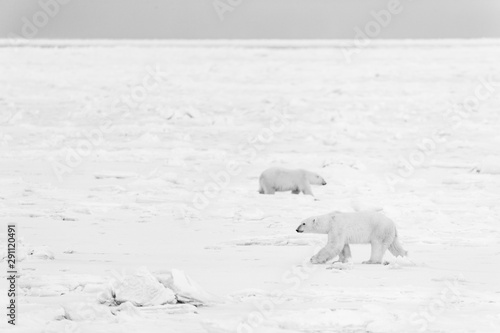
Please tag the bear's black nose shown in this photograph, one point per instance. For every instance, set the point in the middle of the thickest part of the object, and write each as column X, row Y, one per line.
column 324, row 183
column 298, row 229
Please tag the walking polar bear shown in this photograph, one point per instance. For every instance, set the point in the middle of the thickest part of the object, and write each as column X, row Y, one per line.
column 353, row 228
column 281, row 179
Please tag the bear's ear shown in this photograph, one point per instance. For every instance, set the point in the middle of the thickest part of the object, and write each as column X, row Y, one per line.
column 314, row 222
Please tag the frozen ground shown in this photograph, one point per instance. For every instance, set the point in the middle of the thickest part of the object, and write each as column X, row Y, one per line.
column 107, row 188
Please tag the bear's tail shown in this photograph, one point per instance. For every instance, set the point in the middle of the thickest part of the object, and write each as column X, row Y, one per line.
column 397, row 249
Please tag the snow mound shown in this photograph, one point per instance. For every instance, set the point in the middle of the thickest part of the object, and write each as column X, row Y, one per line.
column 399, row 262
column 23, row 250
column 26, row 251
column 489, row 165
column 42, row 252
column 186, row 290
column 140, row 288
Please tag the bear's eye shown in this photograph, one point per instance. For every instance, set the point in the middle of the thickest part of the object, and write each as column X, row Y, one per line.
column 303, row 224
column 314, row 220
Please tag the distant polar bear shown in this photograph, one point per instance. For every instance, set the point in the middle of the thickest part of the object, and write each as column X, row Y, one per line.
column 281, row 179
column 353, row 228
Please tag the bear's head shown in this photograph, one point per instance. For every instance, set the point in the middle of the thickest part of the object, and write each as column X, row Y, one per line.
column 315, row 179
column 315, row 225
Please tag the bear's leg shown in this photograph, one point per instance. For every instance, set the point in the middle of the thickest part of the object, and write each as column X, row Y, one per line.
column 330, row 251
column 307, row 189
column 267, row 189
column 261, row 186
column 378, row 251
column 296, row 191
column 345, row 254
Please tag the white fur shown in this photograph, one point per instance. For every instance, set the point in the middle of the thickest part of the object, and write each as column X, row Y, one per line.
column 353, row 228
column 281, row 179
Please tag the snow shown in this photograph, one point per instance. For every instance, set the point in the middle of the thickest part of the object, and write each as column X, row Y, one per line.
column 140, row 288
column 168, row 186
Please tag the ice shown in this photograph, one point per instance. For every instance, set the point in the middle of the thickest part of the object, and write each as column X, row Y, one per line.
column 399, row 262
column 185, row 289
column 341, row 266
column 170, row 309
column 358, row 206
column 139, row 288
column 278, row 240
column 42, row 252
column 87, row 311
column 324, row 319
column 116, row 175
column 489, row 165
column 235, row 256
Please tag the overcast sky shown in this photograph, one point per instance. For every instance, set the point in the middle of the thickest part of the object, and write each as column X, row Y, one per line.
column 299, row 19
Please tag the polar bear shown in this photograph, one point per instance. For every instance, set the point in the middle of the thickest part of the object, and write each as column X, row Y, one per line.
column 353, row 228
column 281, row 179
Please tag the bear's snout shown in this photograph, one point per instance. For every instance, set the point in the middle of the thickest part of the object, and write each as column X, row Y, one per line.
column 298, row 229
column 324, row 183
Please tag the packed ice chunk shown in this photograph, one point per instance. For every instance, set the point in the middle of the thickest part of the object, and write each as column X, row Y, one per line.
column 187, row 290
column 140, row 288
column 42, row 252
